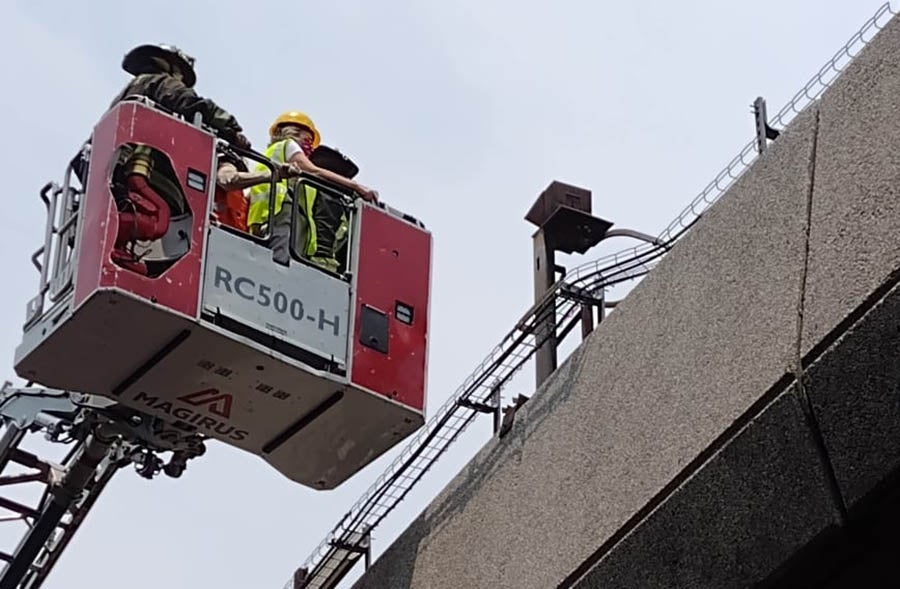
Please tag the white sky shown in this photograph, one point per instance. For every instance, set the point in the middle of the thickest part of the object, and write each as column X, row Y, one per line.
column 459, row 113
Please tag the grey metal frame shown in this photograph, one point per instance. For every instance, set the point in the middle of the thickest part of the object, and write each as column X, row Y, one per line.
column 102, row 438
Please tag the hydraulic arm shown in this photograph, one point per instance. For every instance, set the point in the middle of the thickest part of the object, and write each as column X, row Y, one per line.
column 102, row 438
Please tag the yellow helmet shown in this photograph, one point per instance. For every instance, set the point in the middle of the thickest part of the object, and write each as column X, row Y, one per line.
column 297, row 118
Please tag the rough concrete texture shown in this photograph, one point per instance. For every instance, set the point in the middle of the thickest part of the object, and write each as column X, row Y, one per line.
column 698, row 341
column 416, row 560
column 856, row 200
column 749, row 509
column 700, row 345
column 854, row 391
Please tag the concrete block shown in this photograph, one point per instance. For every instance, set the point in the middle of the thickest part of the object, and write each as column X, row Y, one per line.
column 855, row 391
column 855, row 217
column 697, row 342
column 747, row 511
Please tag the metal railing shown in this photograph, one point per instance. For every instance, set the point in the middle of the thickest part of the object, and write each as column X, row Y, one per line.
column 331, row 560
column 54, row 260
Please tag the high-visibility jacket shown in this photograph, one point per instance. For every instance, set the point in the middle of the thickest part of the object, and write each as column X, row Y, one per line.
column 259, row 194
column 321, row 230
column 322, row 224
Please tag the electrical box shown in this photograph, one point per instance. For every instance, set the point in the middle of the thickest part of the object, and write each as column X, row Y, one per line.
column 556, row 195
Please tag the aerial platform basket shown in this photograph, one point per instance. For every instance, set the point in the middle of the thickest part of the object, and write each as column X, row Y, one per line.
column 318, row 372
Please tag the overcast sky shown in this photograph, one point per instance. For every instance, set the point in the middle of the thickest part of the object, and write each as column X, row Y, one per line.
column 459, row 112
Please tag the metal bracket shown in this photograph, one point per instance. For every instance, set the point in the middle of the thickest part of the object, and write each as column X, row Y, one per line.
column 509, row 414
column 332, row 571
column 364, row 547
column 764, row 132
column 580, row 295
column 493, row 408
column 480, row 407
column 35, row 306
column 22, row 407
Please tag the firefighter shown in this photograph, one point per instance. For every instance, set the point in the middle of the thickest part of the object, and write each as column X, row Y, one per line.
column 292, row 138
column 165, row 75
column 145, row 196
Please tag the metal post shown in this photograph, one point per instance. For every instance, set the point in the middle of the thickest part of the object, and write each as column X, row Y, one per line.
column 764, row 131
column 562, row 214
column 587, row 320
column 544, row 278
column 759, row 116
column 498, row 410
column 587, row 315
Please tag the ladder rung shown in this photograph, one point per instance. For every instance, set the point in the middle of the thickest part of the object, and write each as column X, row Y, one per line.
column 18, row 507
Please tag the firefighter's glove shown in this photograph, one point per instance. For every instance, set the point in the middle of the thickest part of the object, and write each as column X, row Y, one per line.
column 241, row 141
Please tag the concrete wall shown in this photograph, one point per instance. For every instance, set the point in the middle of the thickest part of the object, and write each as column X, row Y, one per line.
column 737, row 406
